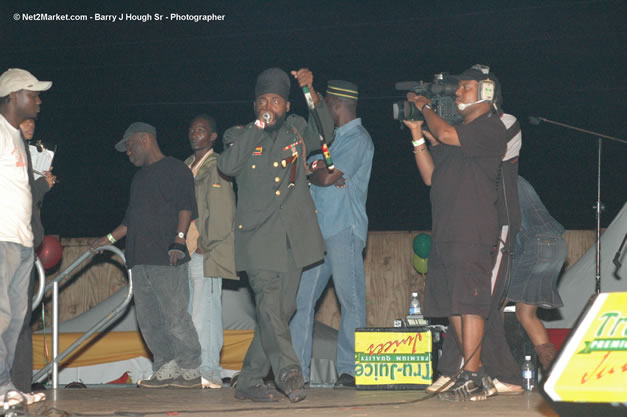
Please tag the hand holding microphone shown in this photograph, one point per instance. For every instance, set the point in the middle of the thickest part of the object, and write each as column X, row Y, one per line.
column 305, row 81
column 264, row 118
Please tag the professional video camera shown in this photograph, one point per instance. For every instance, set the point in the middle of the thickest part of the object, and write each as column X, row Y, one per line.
column 441, row 92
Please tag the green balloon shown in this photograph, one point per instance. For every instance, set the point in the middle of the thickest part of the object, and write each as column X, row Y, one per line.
column 422, row 245
column 420, row 264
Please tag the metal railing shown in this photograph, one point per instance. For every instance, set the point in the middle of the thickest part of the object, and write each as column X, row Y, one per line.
column 42, row 283
column 53, row 365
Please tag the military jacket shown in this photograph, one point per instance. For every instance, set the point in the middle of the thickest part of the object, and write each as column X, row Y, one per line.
column 274, row 209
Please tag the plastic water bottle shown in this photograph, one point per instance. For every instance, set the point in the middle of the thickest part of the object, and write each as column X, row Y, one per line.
column 528, row 374
column 414, row 304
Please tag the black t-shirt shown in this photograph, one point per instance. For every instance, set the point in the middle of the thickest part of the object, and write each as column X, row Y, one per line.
column 158, row 192
column 464, row 183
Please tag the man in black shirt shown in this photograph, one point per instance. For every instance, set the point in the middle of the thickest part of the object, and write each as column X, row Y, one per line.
column 462, row 167
column 162, row 204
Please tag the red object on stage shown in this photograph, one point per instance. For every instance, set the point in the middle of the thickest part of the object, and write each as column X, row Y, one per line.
column 558, row 336
column 50, row 252
column 124, row 379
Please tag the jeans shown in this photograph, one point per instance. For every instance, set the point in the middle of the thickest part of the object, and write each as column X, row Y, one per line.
column 22, row 371
column 345, row 262
column 16, row 263
column 536, row 268
column 161, row 302
column 205, row 307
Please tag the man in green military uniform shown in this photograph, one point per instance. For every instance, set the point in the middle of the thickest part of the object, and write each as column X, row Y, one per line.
column 276, row 229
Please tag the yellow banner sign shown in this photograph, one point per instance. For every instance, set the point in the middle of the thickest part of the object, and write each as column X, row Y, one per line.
column 592, row 367
column 392, row 357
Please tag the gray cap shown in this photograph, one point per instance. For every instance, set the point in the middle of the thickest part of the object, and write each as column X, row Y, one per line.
column 136, row 127
column 16, row 79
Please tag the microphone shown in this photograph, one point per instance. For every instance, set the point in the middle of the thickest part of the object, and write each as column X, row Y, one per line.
column 464, row 106
column 267, row 117
column 323, row 143
column 534, row 120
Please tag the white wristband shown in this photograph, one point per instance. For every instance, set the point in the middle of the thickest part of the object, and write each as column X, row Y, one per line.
column 418, row 142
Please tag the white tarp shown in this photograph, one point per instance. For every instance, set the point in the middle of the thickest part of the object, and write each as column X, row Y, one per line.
column 577, row 284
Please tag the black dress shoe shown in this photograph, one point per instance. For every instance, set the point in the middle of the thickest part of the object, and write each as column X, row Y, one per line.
column 291, row 383
column 257, row 393
column 345, row 381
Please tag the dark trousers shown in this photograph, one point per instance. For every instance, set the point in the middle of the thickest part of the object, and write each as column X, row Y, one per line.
column 495, row 354
column 22, row 370
column 275, row 299
column 161, row 300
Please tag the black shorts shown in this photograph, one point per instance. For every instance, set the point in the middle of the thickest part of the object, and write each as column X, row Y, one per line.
column 458, row 279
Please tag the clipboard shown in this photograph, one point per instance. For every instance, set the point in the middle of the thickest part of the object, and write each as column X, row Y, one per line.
column 41, row 158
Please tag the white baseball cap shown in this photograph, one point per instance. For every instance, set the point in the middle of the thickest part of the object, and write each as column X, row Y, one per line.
column 15, row 79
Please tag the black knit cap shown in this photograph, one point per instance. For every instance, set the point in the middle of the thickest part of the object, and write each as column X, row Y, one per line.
column 341, row 88
column 273, row 81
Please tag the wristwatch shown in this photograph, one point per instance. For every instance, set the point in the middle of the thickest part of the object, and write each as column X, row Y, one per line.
column 181, row 235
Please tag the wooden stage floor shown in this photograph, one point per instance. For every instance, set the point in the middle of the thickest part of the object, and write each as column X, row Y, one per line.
column 97, row 402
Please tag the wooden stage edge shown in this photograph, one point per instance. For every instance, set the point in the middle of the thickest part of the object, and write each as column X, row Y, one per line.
column 96, row 402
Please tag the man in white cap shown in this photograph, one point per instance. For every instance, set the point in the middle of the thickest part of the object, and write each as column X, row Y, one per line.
column 19, row 100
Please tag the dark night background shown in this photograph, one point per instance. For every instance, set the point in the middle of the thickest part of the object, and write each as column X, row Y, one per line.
column 563, row 60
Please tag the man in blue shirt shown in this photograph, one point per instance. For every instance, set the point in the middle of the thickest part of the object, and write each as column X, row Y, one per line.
column 340, row 199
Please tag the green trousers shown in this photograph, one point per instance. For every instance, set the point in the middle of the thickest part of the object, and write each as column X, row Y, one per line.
column 275, row 299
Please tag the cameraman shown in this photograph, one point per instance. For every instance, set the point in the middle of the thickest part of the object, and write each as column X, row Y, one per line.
column 465, row 219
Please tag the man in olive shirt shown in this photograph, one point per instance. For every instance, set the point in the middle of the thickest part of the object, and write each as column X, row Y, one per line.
column 210, row 242
column 276, row 230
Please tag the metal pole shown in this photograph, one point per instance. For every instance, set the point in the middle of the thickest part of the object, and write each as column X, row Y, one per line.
column 534, row 120
column 55, row 335
column 598, row 213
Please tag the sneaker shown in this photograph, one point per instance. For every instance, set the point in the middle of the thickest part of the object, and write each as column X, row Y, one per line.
column 257, row 393
column 188, row 378
column 213, row 380
column 234, row 379
column 487, row 382
column 163, row 377
column 503, row 388
column 465, row 388
column 14, row 397
column 488, row 386
column 439, row 383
